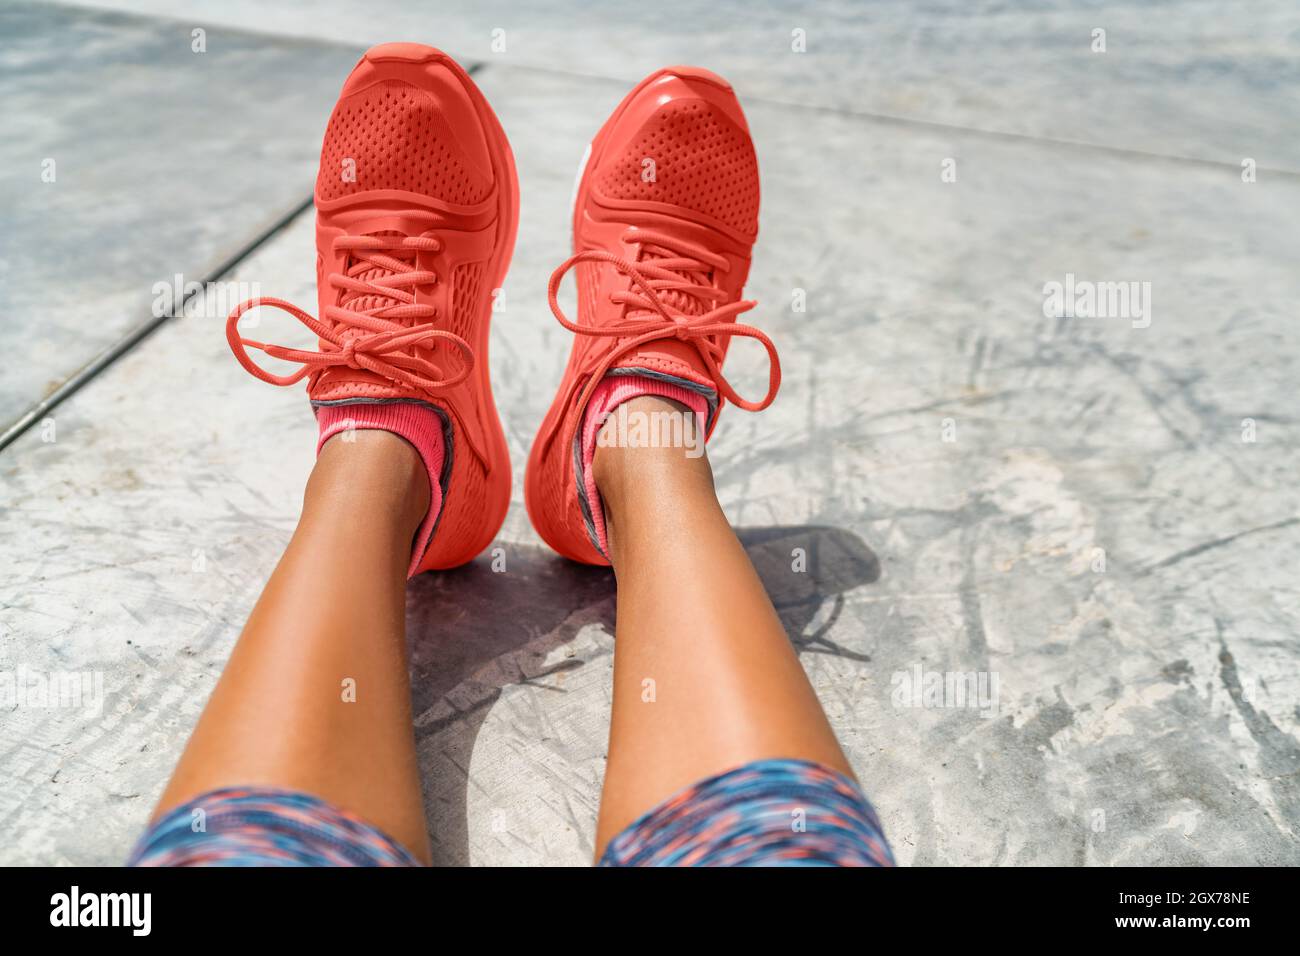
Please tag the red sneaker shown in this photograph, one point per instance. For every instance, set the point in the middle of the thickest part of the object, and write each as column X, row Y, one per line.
column 664, row 221
column 417, row 204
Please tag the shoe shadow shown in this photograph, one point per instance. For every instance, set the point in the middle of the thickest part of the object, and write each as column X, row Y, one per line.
column 474, row 631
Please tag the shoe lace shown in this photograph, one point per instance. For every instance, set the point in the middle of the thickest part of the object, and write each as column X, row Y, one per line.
column 672, row 299
column 382, row 273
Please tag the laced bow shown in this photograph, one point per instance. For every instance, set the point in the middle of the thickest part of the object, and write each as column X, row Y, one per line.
column 649, row 318
column 378, row 342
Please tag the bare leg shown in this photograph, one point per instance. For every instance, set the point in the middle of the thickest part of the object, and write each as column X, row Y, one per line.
column 692, row 617
column 331, row 617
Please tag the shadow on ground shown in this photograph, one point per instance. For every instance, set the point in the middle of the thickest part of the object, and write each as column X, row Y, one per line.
column 474, row 631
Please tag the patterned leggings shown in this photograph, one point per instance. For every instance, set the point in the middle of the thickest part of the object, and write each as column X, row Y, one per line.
column 766, row 813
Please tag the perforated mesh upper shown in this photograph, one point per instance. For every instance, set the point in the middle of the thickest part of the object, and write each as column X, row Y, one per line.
column 702, row 162
column 466, row 284
column 463, row 517
column 398, row 139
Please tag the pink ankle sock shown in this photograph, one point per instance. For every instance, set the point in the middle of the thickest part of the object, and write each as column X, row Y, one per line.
column 613, row 391
column 419, row 425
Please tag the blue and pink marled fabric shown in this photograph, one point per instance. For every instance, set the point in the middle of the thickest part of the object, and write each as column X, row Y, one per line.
column 766, row 813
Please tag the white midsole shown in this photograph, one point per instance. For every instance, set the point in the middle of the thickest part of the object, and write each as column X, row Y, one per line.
column 577, row 181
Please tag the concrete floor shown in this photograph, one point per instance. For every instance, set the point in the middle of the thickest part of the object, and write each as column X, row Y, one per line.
column 1095, row 512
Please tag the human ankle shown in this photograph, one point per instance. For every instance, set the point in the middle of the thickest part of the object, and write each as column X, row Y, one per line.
column 633, row 478
column 374, row 474
column 418, row 428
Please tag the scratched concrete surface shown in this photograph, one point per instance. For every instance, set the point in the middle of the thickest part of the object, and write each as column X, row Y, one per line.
column 120, row 149
column 1181, row 77
column 1069, row 505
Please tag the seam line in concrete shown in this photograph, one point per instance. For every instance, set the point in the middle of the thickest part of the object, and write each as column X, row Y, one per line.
column 108, row 356
column 886, row 119
column 883, row 119
column 96, row 366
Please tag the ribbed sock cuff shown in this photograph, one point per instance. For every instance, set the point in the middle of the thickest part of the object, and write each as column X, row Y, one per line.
column 419, row 425
column 613, row 391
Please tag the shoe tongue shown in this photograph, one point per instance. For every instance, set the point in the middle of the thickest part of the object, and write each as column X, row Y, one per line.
column 360, row 301
column 341, row 376
column 673, row 300
column 671, row 355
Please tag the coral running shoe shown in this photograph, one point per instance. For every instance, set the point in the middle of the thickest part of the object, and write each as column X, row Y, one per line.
column 664, row 220
column 417, row 204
